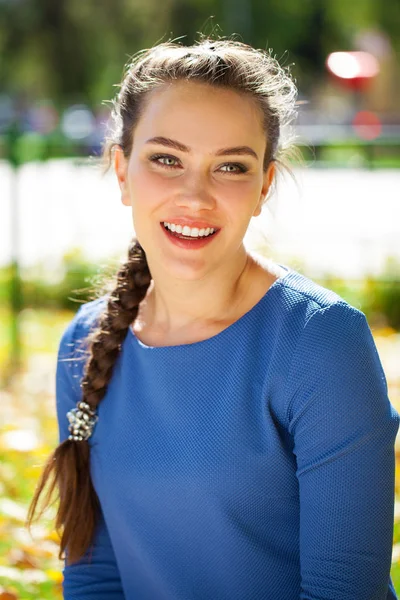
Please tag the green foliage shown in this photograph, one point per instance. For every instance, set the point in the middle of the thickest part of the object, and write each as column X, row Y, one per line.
column 76, row 282
column 40, row 61
column 377, row 297
column 384, row 299
column 353, row 153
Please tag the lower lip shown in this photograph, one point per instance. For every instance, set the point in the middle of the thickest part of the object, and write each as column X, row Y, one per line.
column 189, row 244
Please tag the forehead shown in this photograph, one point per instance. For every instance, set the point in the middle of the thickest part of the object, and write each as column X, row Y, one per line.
column 201, row 115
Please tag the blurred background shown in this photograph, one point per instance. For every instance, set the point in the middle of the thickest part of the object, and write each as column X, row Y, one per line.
column 63, row 227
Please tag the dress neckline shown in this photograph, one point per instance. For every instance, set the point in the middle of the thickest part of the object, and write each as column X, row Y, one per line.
column 276, row 284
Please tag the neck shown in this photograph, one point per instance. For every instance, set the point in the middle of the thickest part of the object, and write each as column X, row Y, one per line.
column 172, row 304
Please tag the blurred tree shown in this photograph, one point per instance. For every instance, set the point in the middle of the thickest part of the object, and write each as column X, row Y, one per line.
column 73, row 50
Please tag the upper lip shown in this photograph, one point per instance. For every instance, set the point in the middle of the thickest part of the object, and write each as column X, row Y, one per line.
column 189, row 223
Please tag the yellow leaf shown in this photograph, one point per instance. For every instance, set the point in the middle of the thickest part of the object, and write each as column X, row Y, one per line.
column 22, row 559
column 53, row 537
column 54, row 575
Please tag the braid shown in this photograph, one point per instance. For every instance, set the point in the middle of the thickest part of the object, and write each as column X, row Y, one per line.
column 68, row 466
column 133, row 279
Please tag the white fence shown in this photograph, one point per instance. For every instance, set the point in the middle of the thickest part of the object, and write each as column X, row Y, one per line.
column 341, row 221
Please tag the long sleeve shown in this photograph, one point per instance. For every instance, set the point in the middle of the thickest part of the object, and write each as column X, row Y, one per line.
column 343, row 428
column 96, row 576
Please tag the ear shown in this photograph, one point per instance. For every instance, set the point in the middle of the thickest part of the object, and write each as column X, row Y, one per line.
column 267, row 182
column 121, row 169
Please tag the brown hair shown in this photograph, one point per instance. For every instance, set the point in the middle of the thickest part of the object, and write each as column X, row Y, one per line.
column 221, row 62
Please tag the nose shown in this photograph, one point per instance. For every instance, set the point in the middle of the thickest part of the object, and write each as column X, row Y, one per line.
column 196, row 193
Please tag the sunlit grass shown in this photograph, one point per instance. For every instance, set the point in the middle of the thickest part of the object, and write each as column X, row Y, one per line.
column 29, row 566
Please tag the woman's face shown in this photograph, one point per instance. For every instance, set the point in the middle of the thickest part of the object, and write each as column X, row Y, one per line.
column 197, row 158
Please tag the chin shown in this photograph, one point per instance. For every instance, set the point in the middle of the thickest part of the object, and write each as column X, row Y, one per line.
column 185, row 270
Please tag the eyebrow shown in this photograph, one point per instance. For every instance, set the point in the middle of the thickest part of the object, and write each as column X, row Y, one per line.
column 163, row 141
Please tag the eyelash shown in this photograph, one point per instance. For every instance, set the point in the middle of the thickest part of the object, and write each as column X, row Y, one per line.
column 155, row 158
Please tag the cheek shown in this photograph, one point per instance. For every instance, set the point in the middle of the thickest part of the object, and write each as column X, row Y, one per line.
column 240, row 193
column 145, row 187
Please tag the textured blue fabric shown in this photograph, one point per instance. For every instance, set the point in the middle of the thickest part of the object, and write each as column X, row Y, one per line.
column 256, row 464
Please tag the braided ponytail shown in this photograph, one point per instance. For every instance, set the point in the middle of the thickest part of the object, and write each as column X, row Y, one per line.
column 68, row 466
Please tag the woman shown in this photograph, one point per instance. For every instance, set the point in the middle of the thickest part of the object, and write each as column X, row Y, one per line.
column 235, row 439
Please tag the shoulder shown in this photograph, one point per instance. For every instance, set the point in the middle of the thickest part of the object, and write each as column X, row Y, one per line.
column 332, row 359
column 300, row 320
column 301, row 301
column 89, row 313
column 76, row 331
column 316, row 326
column 324, row 329
column 300, row 291
column 312, row 343
column 72, row 351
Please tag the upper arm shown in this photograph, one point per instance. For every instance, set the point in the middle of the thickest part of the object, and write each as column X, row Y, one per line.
column 96, row 575
column 344, row 428
column 69, row 370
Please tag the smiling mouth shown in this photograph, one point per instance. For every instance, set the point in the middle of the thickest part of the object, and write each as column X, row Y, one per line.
column 189, row 237
column 189, row 242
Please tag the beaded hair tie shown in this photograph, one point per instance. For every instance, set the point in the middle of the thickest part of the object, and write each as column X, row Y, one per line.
column 82, row 421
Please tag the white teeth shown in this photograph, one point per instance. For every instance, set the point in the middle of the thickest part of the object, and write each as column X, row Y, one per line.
column 190, row 232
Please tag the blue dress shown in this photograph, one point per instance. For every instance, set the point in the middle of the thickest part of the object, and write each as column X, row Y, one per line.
column 257, row 464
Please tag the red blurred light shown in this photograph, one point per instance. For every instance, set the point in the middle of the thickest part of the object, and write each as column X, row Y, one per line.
column 367, row 125
column 354, row 69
